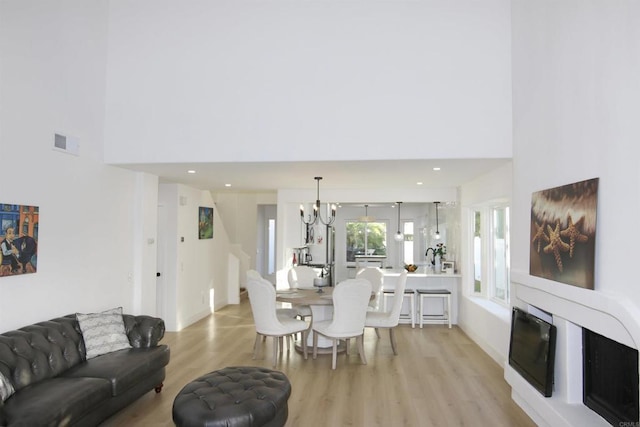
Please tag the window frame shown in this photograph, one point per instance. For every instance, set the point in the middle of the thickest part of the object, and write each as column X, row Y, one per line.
column 493, row 288
column 386, row 237
column 401, row 247
column 488, row 247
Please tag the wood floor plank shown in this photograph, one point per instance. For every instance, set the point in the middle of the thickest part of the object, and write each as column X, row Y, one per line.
column 439, row 378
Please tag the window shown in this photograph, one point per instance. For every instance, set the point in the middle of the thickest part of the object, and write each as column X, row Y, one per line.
column 407, row 245
column 271, row 246
column 500, row 223
column 490, row 252
column 477, row 252
column 366, row 238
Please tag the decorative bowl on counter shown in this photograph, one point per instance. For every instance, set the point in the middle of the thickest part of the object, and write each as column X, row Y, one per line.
column 411, row 268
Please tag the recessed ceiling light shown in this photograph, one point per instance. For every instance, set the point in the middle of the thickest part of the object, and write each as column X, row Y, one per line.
column 227, row 185
column 419, row 183
column 436, row 168
column 191, row 171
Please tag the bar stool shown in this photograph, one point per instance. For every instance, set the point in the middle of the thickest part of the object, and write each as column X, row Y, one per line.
column 408, row 293
column 443, row 294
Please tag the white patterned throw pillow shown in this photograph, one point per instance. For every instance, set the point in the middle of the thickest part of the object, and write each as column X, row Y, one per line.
column 103, row 332
column 6, row 388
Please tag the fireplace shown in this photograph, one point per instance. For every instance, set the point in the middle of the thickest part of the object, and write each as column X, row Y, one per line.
column 609, row 315
column 610, row 378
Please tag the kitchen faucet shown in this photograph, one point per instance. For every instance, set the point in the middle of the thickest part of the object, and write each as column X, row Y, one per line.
column 433, row 260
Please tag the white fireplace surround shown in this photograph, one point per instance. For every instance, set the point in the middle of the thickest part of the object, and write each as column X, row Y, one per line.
column 572, row 308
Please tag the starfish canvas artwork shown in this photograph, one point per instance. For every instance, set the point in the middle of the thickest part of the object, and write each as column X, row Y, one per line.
column 563, row 233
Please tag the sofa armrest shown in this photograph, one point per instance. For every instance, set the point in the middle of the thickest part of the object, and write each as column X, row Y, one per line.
column 143, row 331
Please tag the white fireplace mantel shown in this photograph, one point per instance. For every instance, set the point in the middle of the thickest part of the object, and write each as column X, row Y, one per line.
column 610, row 315
column 573, row 308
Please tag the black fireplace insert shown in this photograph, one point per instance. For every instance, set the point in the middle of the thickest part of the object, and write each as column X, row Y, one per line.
column 610, row 378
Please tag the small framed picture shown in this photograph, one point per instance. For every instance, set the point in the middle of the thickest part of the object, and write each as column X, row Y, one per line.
column 448, row 267
column 205, row 223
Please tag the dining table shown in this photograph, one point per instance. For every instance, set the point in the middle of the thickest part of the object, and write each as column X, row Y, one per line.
column 321, row 304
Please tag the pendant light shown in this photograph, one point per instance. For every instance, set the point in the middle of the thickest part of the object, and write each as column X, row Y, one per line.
column 437, row 236
column 366, row 217
column 399, row 237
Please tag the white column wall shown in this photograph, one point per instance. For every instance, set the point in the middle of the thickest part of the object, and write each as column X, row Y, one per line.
column 576, row 97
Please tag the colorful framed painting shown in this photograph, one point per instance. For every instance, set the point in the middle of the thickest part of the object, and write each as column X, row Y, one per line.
column 563, row 233
column 205, row 223
column 18, row 239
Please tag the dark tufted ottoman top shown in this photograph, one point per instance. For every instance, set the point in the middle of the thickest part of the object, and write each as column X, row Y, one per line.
column 234, row 396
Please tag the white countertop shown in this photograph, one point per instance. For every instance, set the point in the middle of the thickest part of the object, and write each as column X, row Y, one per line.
column 420, row 272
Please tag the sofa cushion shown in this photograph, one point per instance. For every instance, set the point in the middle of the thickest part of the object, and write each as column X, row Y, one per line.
column 124, row 368
column 40, row 351
column 56, row 401
column 103, row 332
column 6, row 388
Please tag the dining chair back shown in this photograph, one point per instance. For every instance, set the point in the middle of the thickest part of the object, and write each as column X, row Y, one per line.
column 286, row 312
column 350, row 301
column 301, row 277
column 375, row 276
column 253, row 274
column 391, row 318
column 262, row 296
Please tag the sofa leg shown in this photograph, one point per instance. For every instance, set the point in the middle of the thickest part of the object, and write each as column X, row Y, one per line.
column 159, row 387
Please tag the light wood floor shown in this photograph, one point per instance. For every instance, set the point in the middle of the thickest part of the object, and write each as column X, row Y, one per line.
column 439, row 378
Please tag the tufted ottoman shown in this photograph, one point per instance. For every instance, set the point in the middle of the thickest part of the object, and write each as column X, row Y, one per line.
column 234, row 396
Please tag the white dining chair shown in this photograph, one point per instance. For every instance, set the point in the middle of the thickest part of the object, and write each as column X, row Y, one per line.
column 286, row 312
column 389, row 319
column 301, row 277
column 262, row 296
column 375, row 277
column 350, row 302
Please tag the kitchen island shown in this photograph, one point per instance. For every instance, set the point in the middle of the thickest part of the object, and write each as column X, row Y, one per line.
column 424, row 278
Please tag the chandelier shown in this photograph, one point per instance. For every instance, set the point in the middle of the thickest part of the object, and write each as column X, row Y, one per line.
column 313, row 219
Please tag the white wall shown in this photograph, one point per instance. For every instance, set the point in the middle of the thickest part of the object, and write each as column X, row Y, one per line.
column 486, row 322
column 72, row 67
column 194, row 266
column 239, row 212
column 229, row 78
column 98, row 224
column 52, row 79
column 576, row 97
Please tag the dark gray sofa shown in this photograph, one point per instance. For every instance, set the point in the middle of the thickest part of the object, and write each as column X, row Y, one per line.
column 56, row 386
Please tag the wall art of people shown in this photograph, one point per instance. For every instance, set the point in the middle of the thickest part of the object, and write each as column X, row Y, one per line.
column 18, row 239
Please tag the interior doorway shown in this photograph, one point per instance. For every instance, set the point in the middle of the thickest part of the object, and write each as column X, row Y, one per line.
column 266, row 244
column 161, row 309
